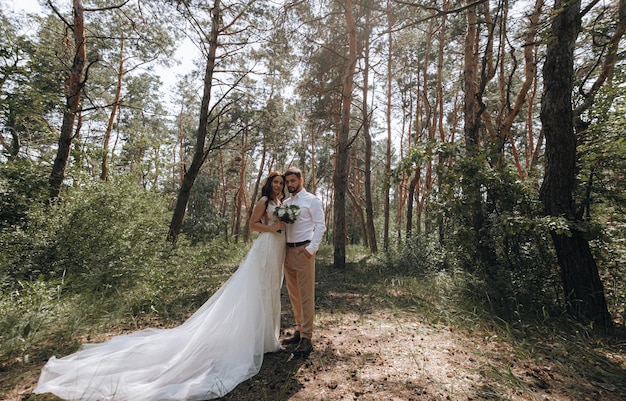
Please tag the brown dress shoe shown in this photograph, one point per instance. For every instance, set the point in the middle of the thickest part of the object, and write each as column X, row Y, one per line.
column 294, row 339
column 303, row 349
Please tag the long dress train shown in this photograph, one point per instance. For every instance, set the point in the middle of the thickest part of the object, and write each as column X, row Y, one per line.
column 218, row 347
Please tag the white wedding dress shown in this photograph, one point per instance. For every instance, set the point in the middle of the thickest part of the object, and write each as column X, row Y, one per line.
column 218, row 347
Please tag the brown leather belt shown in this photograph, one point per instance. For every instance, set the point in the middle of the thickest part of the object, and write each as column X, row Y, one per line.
column 297, row 244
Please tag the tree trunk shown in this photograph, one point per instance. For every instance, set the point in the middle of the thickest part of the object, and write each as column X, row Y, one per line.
column 73, row 88
column 241, row 193
column 247, row 235
column 413, row 185
column 313, row 173
column 439, row 107
column 432, row 123
column 341, row 169
column 200, row 153
column 386, row 201
column 179, row 173
column 369, row 207
column 472, row 112
column 104, row 171
column 358, row 211
column 355, row 193
column 407, row 105
column 582, row 287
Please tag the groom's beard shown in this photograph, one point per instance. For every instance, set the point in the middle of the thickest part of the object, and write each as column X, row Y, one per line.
column 294, row 190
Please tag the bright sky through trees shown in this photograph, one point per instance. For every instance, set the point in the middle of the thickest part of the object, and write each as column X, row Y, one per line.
column 185, row 55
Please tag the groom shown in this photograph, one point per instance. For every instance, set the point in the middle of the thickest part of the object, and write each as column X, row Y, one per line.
column 303, row 239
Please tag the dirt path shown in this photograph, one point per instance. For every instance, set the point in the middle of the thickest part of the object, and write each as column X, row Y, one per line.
column 366, row 348
column 372, row 343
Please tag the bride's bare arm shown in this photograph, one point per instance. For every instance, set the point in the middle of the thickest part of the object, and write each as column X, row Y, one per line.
column 256, row 220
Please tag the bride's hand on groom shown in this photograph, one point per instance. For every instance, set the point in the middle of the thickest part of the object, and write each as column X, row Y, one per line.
column 281, row 226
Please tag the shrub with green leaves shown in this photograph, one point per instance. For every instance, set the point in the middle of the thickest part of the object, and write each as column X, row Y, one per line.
column 98, row 237
column 601, row 190
column 519, row 274
column 22, row 185
column 96, row 258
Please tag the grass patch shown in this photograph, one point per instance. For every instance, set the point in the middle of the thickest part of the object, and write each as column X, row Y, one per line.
column 381, row 333
column 41, row 315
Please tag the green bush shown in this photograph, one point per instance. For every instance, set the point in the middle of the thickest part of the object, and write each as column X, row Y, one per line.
column 519, row 272
column 22, row 185
column 421, row 255
column 98, row 260
column 105, row 235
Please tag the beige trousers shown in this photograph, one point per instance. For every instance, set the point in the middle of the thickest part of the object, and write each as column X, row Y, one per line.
column 300, row 281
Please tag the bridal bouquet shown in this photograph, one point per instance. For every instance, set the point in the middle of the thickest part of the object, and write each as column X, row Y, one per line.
column 288, row 214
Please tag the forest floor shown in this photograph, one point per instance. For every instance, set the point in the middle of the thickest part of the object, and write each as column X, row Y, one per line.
column 382, row 342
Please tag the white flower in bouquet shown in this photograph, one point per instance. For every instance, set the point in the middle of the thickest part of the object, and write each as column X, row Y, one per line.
column 288, row 214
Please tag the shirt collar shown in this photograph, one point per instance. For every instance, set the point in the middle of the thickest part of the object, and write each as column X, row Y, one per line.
column 296, row 195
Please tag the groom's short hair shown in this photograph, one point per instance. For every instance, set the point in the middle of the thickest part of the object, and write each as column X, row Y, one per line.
column 293, row 170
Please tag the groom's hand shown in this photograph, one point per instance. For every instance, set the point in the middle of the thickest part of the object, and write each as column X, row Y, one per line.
column 306, row 253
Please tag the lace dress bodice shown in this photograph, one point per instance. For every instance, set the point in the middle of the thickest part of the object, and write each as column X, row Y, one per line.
column 270, row 217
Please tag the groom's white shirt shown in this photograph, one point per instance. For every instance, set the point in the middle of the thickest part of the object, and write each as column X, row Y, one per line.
column 310, row 224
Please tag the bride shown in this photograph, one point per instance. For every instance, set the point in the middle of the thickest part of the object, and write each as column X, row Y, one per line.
column 218, row 347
